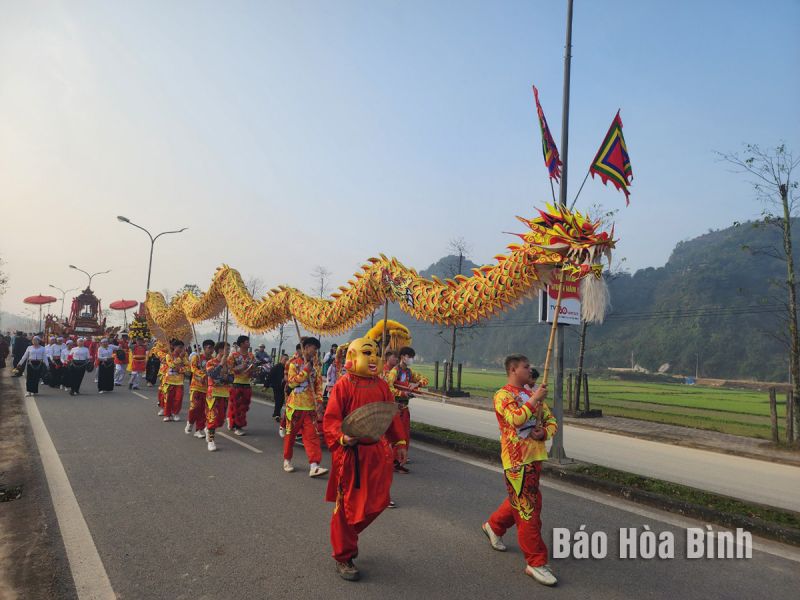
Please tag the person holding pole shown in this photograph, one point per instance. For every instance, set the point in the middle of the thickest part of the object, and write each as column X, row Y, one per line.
column 522, row 438
column 177, row 365
column 219, row 380
column 241, row 364
column 403, row 382
column 301, row 408
column 198, row 388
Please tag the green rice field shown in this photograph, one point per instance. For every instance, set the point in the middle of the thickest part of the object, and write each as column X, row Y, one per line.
column 739, row 412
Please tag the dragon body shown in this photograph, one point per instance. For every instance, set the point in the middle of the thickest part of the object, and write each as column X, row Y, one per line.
column 556, row 239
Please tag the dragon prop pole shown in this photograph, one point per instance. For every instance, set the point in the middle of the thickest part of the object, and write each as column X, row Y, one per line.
column 385, row 326
column 550, row 344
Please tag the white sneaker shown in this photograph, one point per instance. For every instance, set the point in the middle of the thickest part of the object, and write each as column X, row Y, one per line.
column 101, row 392
column 212, row 447
column 541, row 574
column 176, row 418
column 316, row 471
column 239, row 432
column 188, row 429
column 160, row 412
column 282, row 432
column 201, row 433
column 167, row 419
column 287, row 466
column 495, row 540
column 28, row 394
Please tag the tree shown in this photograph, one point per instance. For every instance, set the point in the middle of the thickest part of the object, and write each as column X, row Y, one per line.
column 322, row 277
column 775, row 188
column 256, row 287
column 461, row 249
column 3, row 278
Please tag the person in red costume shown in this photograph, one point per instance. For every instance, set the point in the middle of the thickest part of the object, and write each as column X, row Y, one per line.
column 361, row 472
column 241, row 364
column 138, row 363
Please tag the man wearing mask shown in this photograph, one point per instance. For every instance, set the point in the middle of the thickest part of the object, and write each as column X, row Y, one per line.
column 403, row 382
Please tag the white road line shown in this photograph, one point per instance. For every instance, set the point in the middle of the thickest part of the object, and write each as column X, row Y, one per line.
column 142, row 396
column 240, row 442
column 88, row 572
column 760, row 544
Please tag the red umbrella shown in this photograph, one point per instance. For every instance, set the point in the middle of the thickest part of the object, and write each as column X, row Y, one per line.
column 124, row 305
column 40, row 300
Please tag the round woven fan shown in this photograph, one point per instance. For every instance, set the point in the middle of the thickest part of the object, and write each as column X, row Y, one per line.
column 369, row 421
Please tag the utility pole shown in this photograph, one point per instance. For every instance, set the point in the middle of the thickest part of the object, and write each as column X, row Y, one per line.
column 557, row 452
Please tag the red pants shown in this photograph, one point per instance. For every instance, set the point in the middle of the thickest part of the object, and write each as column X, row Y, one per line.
column 161, row 396
column 405, row 419
column 173, row 400
column 238, row 406
column 215, row 416
column 303, row 421
column 524, row 511
column 197, row 409
column 344, row 536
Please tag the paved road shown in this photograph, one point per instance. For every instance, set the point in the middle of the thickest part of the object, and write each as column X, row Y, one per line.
column 171, row 520
column 752, row 480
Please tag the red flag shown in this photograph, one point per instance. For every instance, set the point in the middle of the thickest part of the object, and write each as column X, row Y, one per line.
column 612, row 160
column 551, row 159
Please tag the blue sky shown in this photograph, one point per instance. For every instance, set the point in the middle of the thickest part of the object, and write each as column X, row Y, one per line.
column 291, row 134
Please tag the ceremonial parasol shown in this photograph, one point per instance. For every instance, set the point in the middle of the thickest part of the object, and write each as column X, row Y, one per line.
column 39, row 300
column 124, row 305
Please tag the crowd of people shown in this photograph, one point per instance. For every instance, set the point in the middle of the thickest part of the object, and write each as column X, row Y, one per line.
column 312, row 399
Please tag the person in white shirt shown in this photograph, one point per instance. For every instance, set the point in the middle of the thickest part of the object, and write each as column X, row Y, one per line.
column 65, row 352
column 36, row 361
column 78, row 361
column 105, row 367
column 54, row 355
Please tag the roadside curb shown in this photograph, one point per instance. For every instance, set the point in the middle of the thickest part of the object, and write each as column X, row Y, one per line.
column 787, row 535
column 655, row 437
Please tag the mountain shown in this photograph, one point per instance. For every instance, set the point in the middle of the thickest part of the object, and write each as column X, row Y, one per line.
column 715, row 305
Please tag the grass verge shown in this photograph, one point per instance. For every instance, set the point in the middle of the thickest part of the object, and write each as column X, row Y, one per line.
column 773, row 523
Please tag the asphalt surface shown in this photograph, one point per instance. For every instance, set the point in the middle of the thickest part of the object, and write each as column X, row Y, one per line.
column 748, row 479
column 172, row 520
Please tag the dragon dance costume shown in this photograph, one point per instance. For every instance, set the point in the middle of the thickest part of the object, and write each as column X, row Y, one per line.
column 305, row 382
column 176, row 366
column 219, row 381
column 240, row 364
column 198, row 388
column 399, row 378
column 522, row 458
column 138, row 363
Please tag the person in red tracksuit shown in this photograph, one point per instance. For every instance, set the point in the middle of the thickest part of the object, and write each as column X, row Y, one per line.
column 241, row 364
column 522, row 441
column 403, row 381
column 305, row 380
column 177, row 365
column 361, row 471
column 198, row 388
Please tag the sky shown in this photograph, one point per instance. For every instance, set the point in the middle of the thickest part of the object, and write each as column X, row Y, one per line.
column 287, row 135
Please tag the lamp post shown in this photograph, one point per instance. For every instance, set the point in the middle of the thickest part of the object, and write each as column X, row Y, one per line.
column 90, row 276
column 152, row 242
column 63, row 294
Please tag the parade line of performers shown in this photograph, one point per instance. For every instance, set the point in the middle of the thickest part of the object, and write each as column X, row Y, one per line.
column 361, row 468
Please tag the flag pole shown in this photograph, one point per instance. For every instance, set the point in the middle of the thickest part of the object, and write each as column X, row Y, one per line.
column 571, row 206
column 557, row 448
column 552, row 189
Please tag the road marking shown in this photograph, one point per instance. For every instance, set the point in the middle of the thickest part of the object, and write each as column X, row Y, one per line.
column 142, row 396
column 88, row 572
column 264, row 402
column 760, row 544
column 240, row 442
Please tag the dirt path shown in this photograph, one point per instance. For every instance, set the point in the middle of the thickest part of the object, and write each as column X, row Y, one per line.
column 33, row 562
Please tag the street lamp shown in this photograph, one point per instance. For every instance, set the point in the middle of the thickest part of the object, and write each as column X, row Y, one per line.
column 63, row 294
column 92, row 276
column 152, row 242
